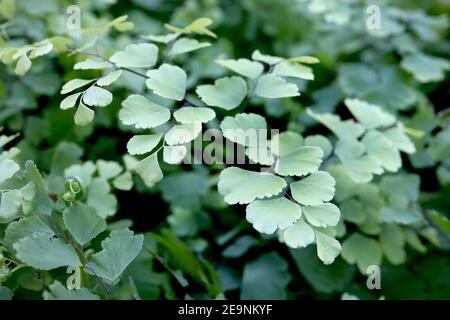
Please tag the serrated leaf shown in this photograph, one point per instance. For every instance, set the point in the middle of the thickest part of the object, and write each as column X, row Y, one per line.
column 328, row 248
column 271, row 86
column 322, row 215
column 148, row 169
column 244, row 128
column 24, row 227
column 141, row 144
column 142, row 55
column 244, row 67
column 300, row 162
column 371, row 116
column 361, row 250
column 400, row 140
column 188, row 115
column 299, row 235
column 242, row 186
column 118, row 251
column 184, row 45
column 45, row 253
column 97, row 97
column 314, row 189
column 167, row 81
column 267, row 216
column 294, row 70
column 182, row 133
column 226, row 93
column 83, row 223
column 142, row 113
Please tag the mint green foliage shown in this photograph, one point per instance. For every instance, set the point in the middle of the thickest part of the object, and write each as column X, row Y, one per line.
column 95, row 124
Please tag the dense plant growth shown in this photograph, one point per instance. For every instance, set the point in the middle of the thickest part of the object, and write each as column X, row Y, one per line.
column 245, row 149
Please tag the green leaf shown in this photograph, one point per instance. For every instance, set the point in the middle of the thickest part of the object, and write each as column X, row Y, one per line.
column 108, row 169
column 381, row 148
column 353, row 211
column 123, row 182
column 242, row 186
column 148, row 169
column 327, row 247
column 400, row 216
column 314, row 189
column 174, row 154
column 322, row 215
column 361, row 250
column 100, row 198
column 142, row 113
column 257, row 55
column 392, row 241
column 142, row 55
column 226, row 93
column 141, row 144
column 265, row 278
column 188, row 115
column 97, row 97
column 244, row 67
column 84, row 115
column 323, row 278
column 371, row 116
column 70, row 101
column 83, row 223
column 299, row 235
column 184, row 45
column 244, row 128
column 59, row 292
column 118, row 251
column 425, row 68
column 343, row 129
column 5, row 293
column 89, row 64
column 11, row 202
column 271, row 87
column 267, row 216
column 8, row 168
column 74, row 84
column 300, row 162
column 294, row 70
column 168, row 81
column 8, row 8
column 109, row 78
column 23, row 65
column 320, row 142
column 41, row 201
column 182, row 133
column 199, row 26
column 285, row 143
column 24, row 227
column 400, row 140
column 45, row 253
